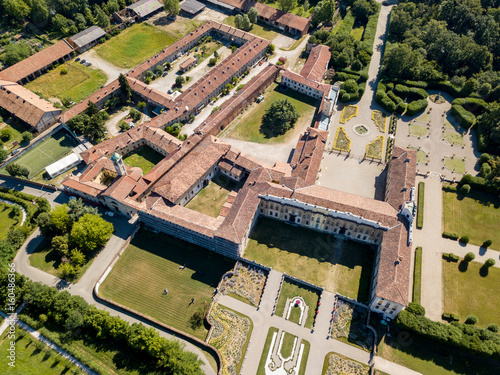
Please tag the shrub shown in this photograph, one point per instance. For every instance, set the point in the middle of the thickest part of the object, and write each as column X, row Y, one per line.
column 471, row 319
column 487, row 243
column 474, row 105
column 469, row 257
column 450, row 257
column 411, row 93
column 485, row 170
column 481, row 183
column 489, row 263
column 464, row 117
column 464, row 239
column 416, row 309
column 493, row 328
column 420, row 205
column 450, row 235
column 416, row 106
column 64, row 70
column 465, row 189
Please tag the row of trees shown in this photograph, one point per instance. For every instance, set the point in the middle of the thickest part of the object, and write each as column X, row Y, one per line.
column 79, row 320
column 245, row 22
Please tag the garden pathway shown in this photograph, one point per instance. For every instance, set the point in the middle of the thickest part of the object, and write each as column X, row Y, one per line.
column 433, row 245
column 23, row 211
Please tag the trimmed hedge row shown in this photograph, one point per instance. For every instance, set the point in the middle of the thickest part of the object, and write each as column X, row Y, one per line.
column 352, row 96
column 464, row 336
column 420, row 205
column 347, row 24
column 416, row 106
column 451, row 235
column 464, row 117
column 417, row 275
column 450, row 257
column 482, row 184
column 474, row 105
column 371, row 30
column 411, row 93
column 394, row 103
column 383, row 99
column 450, row 317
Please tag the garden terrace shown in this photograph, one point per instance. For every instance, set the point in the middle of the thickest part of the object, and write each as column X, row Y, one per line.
column 246, row 283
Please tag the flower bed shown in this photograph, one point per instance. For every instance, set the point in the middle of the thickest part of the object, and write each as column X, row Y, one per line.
column 380, row 119
column 348, row 113
column 374, row 148
column 340, row 365
column 229, row 337
column 246, row 281
column 342, row 141
column 348, row 325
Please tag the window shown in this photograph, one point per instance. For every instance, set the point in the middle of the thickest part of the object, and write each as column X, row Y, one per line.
column 307, row 222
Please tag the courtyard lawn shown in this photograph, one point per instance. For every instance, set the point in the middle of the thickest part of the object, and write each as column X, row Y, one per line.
column 429, row 357
column 248, row 125
column 77, row 84
column 321, row 259
column 134, row 45
column 468, row 292
column 418, row 130
column 154, row 262
column 456, row 165
column 290, row 289
column 262, row 30
column 287, row 345
column 16, row 131
column 476, row 215
column 145, row 158
column 451, row 135
column 50, row 150
column 30, row 360
column 179, row 28
column 7, row 219
column 210, row 199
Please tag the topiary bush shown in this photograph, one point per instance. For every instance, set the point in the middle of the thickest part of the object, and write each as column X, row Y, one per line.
column 416, row 309
column 493, row 328
column 465, row 189
column 487, row 243
column 471, row 319
column 464, row 239
column 489, row 263
column 451, row 235
column 469, row 257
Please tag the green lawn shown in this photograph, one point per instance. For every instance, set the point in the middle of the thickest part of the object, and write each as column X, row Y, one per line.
column 418, row 130
column 45, row 153
column 134, row 45
column 468, row 292
column 291, row 289
column 30, row 360
column 262, row 30
column 454, row 164
column 357, row 32
column 152, row 263
column 16, row 131
column 476, row 215
column 417, row 275
column 77, row 84
column 248, row 125
column 7, row 219
column 211, row 198
column 287, row 345
column 451, row 135
column 145, row 158
column 432, row 358
column 298, row 252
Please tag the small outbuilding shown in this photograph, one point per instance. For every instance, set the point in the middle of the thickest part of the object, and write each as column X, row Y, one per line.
column 87, row 38
column 188, row 64
column 144, row 8
column 63, row 165
column 191, row 7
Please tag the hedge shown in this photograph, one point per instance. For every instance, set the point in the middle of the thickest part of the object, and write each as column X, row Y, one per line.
column 482, row 184
column 417, row 275
column 450, row 257
column 451, row 317
column 384, row 100
column 474, row 105
column 347, row 24
column 343, row 76
column 396, row 99
column 464, row 117
column 464, row 336
column 416, row 107
column 370, row 31
column 411, row 93
column 451, row 235
column 350, row 97
column 420, row 205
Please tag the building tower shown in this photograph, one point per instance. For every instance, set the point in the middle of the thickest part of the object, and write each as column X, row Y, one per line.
column 119, row 164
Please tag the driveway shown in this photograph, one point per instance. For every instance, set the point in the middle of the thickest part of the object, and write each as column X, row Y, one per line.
column 111, row 71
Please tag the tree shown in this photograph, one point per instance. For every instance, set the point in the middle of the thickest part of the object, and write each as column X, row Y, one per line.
column 362, row 9
column 77, row 209
column 489, row 263
column 253, row 15
column 126, row 92
column 89, row 16
column 401, row 61
column 287, row 5
column 270, row 49
column 113, row 6
column 60, row 244
column 17, row 10
column 60, row 23
column 27, row 136
column 67, row 270
column 211, row 62
column 3, row 155
column 416, row 309
column 487, row 243
column 90, row 232
column 245, row 23
column 471, row 319
column 464, row 239
column 101, row 18
column 141, row 106
column 238, row 21
column 13, row 53
column 77, row 258
column 39, row 12
column 5, row 134
column 179, row 80
column 469, row 257
column 17, row 170
column 80, row 21
column 493, row 328
column 465, row 189
column 171, row 7
column 44, row 223
column 279, row 118
column 60, row 220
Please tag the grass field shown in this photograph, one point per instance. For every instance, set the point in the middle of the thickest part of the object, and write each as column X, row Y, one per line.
column 287, row 345
column 30, row 360
column 261, row 30
column 7, row 219
column 454, row 164
column 298, row 252
column 476, row 215
column 211, row 198
column 428, row 357
column 134, row 45
column 451, row 135
column 145, row 158
column 77, row 84
column 151, row 264
column 418, row 130
column 248, row 126
column 45, row 153
column 468, row 292
column 16, row 131
column 291, row 289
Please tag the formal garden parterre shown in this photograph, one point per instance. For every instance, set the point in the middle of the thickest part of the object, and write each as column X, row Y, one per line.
column 245, row 283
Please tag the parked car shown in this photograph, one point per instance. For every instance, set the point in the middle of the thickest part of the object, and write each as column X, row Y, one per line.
column 77, row 59
column 164, row 74
column 15, row 151
column 88, row 63
column 261, row 62
column 109, row 213
column 386, row 2
column 82, row 61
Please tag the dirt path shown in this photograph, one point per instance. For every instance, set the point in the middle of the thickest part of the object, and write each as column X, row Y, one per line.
column 111, row 71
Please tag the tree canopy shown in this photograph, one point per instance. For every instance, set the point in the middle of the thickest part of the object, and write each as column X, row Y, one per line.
column 280, row 117
column 171, row 7
column 90, row 232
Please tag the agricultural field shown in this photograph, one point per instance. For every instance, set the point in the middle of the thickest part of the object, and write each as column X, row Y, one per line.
column 50, row 150
column 77, row 83
column 298, row 252
column 145, row 158
column 461, row 214
column 153, row 263
column 210, row 199
column 468, row 292
column 134, row 45
column 247, row 126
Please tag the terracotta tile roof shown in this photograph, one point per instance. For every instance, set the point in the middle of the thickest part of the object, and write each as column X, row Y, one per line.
column 393, row 279
column 187, row 63
column 307, row 156
column 123, row 187
column 401, row 176
column 307, row 82
column 283, row 18
column 317, row 63
column 367, row 208
column 36, row 62
column 240, row 4
column 87, row 188
column 27, row 106
column 151, row 93
column 96, row 167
